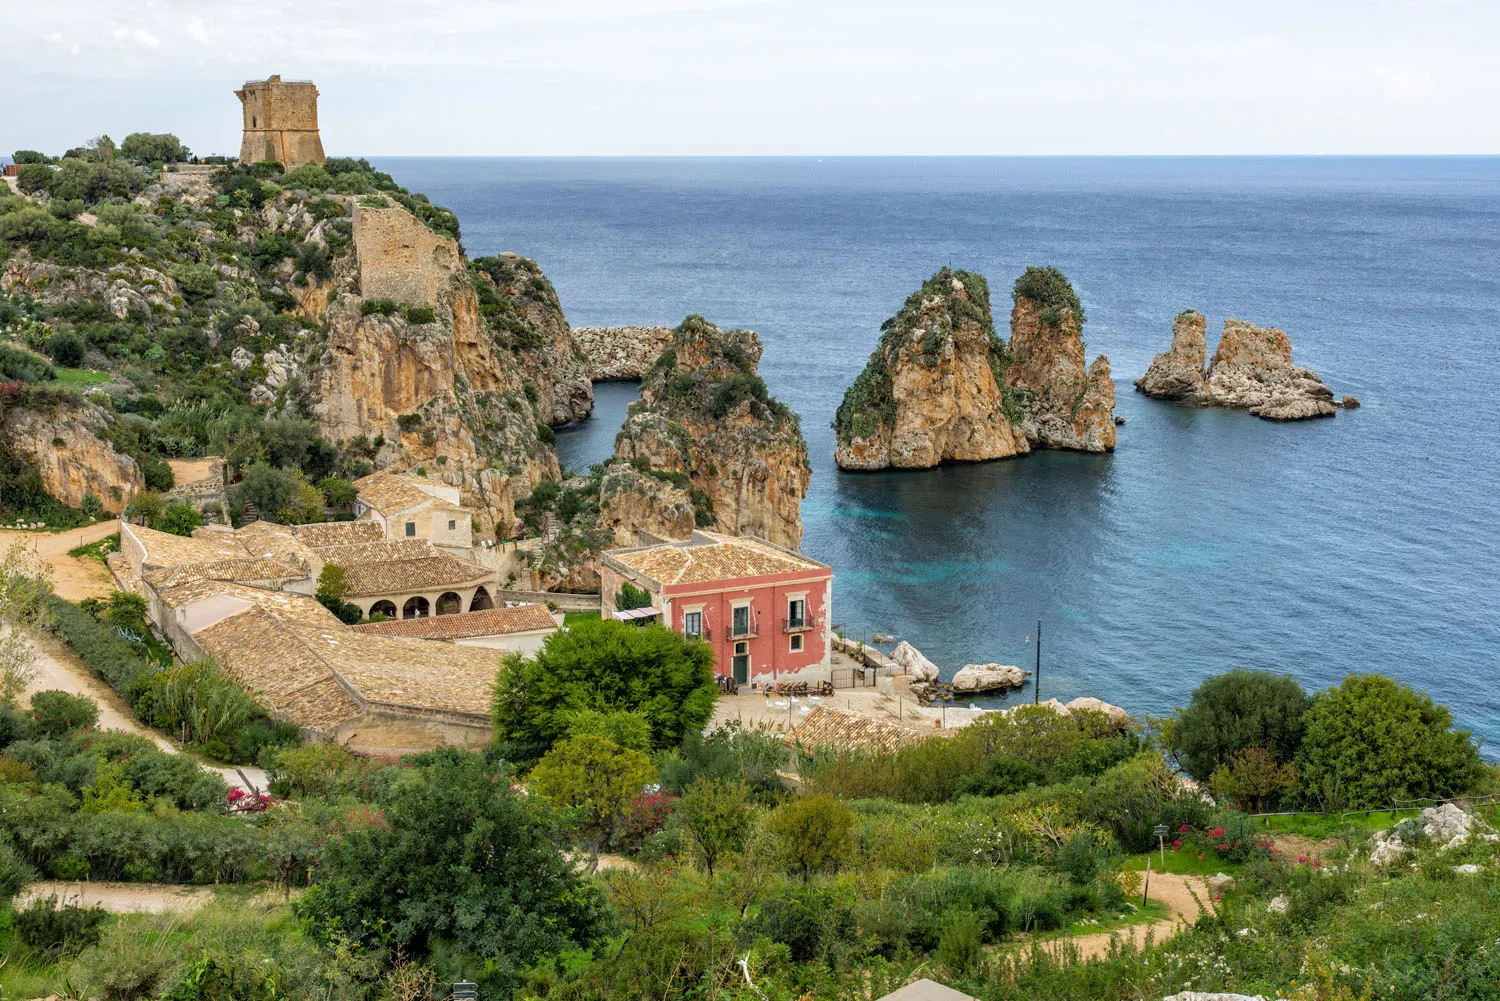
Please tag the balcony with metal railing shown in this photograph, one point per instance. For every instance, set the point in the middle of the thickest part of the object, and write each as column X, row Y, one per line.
column 799, row 624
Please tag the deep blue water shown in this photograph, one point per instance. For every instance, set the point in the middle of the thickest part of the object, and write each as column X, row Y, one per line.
column 1209, row 539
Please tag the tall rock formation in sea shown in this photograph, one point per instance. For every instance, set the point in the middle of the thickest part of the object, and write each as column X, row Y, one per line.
column 444, row 366
column 1065, row 404
column 943, row 387
column 706, row 423
column 933, row 390
column 1251, row 370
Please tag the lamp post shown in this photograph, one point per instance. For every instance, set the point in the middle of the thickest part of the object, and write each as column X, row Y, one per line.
column 1036, row 688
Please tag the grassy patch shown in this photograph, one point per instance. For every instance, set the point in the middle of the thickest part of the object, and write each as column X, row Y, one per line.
column 97, row 550
column 573, row 618
column 1184, row 863
column 81, row 376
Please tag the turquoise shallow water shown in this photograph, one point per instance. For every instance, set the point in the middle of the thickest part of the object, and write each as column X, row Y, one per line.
column 1208, row 539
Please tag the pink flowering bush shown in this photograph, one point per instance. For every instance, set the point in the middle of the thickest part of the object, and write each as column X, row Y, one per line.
column 648, row 812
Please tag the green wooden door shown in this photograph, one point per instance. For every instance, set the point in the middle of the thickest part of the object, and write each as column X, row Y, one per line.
column 742, row 663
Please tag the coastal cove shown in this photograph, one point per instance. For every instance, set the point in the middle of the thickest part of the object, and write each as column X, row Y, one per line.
column 1209, row 539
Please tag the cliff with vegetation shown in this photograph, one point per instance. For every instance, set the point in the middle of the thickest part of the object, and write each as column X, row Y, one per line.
column 706, row 422
column 1252, row 370
column 310, row 325
column 943, row 387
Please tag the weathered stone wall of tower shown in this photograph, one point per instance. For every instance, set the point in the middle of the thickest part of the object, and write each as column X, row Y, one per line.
column 400, row 258
column 280, row 122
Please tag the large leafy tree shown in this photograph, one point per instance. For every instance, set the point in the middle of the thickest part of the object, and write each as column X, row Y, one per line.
column 717, row 815
column 815, row 832
column 1236, row 710
column 455, row 857
column 608, row 666
column 594, row 780
column 1374, row 742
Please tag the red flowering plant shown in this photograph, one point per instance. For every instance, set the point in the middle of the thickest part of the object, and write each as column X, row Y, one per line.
column 241, row 801
column 648, row 812
column 1230, row 838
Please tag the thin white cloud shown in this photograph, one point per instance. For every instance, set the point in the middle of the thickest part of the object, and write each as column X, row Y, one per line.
column 1405, row 86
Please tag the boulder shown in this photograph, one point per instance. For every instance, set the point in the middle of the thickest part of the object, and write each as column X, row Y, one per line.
column 1447, row 826
column 241, row 359
column 1349, row 402
column 1115, row 713
column 989, row 678
column 1468, row 869
column 1219, row 882
column 1279, row 905
column 918, row 667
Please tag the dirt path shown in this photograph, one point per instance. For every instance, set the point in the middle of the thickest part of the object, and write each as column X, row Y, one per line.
column 185, row 471
column 1176, row 892
column 73, row 579
column 123, row 898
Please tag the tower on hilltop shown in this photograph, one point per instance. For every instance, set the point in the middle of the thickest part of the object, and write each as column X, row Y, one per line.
column 281, row 122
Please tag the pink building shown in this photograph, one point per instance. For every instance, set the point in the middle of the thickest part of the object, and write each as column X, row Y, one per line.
column 764, row 609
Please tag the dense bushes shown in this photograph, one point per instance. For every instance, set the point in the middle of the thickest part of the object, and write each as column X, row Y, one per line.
column 1235, row 710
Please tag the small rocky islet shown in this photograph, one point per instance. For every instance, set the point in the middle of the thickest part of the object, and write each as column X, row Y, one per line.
column 1252, row 370
column 942, row 386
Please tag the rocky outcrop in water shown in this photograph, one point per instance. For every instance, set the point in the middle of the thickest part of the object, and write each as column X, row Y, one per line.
column 73, row 460
column 943, row 387
column 621, row 354
column 1251, row 370
column 1064, row 404
column 974, row 678
column 705, row 413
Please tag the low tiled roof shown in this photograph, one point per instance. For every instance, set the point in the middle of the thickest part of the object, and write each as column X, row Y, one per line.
column 339, row 533
column 413, row 575
column 388, row 492
column 245, row 569
column 487, row 622
column 361, row 553
column 266, row 538
column 164, row 549
column 840, row 729
column 312, row 669
column 716, row 557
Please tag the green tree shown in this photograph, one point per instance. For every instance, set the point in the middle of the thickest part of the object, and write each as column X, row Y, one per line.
column 34, row 177
column 67, row 349
column 629, row 596
column 268, row 488
column 815, row 832
column 333, row 584
column 339, row 493
column 148, row 147
column 126, row 610
column 1371, row 742
column 596, row 781
column 178, row 518
column 1235, row 710
column 28, row 156
column 610, row 666
column 628, row 729
column 1252, row 778
column 146, row 505
column 456, row 857
column 718, row 817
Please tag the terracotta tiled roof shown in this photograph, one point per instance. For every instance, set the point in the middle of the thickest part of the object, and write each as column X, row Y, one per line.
column 266, row 538
column 164, row 549
column 339, row 533
column 312, row 669
column 413, row 575
column 235, row 570
column 828, row 727
column 388, row 492
column 720, row 557
column 488, row 622
column 362, row 553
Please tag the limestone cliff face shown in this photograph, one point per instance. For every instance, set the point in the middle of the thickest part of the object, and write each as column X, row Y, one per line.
column 930, row 393
column 619, row 354
column 705, row 413
column 445, row 395
column 72, row 460
column 1251, row 370
column 634, row 505
column 943, row 387
column 1177, row 374
column 1067, row 404
column 124, row 290
column 526, row 313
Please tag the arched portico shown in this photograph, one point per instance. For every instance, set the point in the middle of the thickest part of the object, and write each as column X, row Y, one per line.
column 449, row 603
column 481, row 600
column 386, row 608
column 416, row 607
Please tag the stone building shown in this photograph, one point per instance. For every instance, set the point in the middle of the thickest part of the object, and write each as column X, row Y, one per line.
column 281, row 122
column 400, row 258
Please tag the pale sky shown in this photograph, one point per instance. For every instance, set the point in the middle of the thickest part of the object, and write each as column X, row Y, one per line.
column 710, row 77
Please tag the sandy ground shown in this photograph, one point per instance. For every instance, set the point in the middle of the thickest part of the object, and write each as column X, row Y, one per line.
column 123, row 898
column 185, row 471
column 1176, row 892
column 73, row 579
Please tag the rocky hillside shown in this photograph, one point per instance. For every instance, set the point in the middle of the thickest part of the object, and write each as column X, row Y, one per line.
column 706, row 423
column 1251, row 370
column 309, row 326
column 943, row 387
column 621, row 354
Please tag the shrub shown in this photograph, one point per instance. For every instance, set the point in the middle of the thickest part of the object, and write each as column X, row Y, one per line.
column 380, row 307
column 814, row 833
column 48, row 925
column 960, row 948
column 27, row 366
column 66, row 349
column 33, row 178
column 1050, row 289
column 1236, row 710
column 59, row 714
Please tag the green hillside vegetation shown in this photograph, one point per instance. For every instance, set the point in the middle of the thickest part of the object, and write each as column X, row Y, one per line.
column 952, row 858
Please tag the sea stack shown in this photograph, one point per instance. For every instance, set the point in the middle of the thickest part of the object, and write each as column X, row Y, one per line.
column 706, row 424
column 943, row 387
column 1251, row 370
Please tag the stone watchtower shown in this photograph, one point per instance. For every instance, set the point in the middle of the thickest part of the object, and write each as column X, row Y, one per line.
column 281, row 122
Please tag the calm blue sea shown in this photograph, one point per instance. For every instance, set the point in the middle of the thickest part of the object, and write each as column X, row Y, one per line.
column 1208, row 539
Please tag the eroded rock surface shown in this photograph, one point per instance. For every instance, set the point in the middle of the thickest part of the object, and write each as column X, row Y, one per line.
column 636, row 507
column 621, row 354
column 1177, row 374
column 973, row 678
column 72, row 459
column 912, row 661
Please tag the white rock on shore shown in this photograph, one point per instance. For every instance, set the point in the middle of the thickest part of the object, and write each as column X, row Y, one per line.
column 1115, row 713
column 987, row 678
column 1205, row 996
column 911, row 660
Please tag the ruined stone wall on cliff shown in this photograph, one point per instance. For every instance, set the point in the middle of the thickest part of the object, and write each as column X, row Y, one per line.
column 400, row 258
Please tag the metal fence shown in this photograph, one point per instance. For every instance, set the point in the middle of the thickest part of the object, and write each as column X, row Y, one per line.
column 1402, row 805
column 857, row 677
